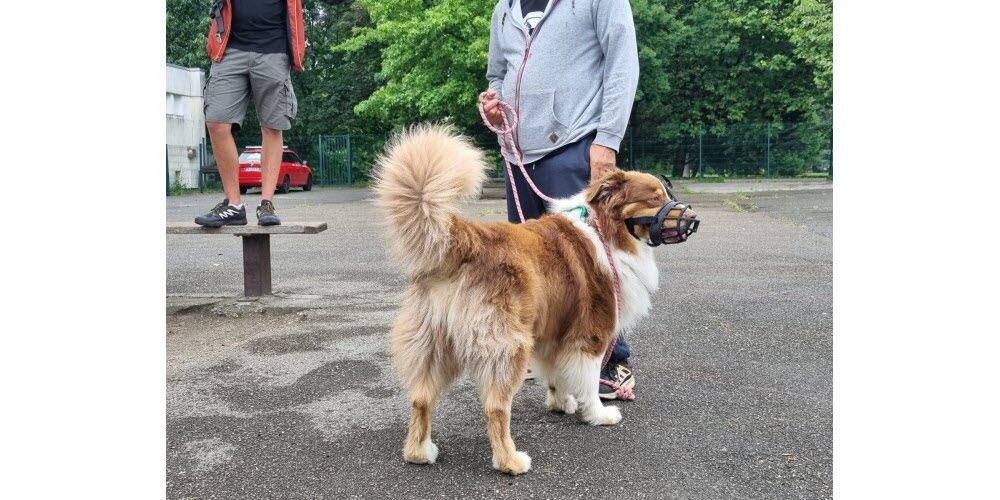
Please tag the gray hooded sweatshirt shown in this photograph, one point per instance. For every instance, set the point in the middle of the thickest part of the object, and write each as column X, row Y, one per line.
column 580, row 75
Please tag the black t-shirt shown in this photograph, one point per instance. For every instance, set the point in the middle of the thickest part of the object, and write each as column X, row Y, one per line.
column 260, row 26
column 531, row 11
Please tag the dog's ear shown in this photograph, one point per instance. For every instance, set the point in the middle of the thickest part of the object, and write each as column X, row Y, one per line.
column 602, row 190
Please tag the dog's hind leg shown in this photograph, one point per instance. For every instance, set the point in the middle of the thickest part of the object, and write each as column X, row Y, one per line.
column 419, row 448
column 424, row 390
column 427, row 367
column 499, row 379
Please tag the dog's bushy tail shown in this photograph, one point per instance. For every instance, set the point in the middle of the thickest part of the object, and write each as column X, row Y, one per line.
column 424, row 174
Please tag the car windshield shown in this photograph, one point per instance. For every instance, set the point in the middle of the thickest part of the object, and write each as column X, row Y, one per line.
column 253, row 157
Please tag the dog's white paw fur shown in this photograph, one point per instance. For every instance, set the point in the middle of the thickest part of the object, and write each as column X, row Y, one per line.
column 552, row 402
column 427, row 454
column 608, row 415
column 570, row 406
column 519, row 464
column 566, row 405
column 431, row 449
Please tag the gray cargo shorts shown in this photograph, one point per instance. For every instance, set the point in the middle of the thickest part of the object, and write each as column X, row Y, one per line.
column 241, row 74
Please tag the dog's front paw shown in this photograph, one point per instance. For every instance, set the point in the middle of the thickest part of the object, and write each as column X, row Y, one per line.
column 555, row 402
column 552, row 401
column 519, row 463
column 426, row 453
column 570, row 406
column 608, row 415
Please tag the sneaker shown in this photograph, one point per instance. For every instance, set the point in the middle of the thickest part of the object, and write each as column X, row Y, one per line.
column 223, row 215
column 621, row 373
column 265, row 214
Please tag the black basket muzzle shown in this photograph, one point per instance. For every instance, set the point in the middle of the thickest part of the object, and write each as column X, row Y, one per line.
column 669, row 225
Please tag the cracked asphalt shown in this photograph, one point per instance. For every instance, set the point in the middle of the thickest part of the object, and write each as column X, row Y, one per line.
column 293, row 397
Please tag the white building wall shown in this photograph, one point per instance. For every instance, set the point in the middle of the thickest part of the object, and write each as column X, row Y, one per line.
column 185, row 123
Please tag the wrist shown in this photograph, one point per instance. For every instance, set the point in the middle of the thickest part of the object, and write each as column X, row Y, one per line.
column 607, row 140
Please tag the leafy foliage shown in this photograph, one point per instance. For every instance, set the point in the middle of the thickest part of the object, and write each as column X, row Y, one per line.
column 706, row 65
column 810, row 29
column 711, row 63
column 187, row 24
column 433, row 59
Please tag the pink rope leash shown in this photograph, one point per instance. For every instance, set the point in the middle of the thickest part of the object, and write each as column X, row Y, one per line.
column 623, row 393
column 506, row 133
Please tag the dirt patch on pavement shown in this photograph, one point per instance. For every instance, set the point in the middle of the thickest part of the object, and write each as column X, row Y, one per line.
column 202, row 335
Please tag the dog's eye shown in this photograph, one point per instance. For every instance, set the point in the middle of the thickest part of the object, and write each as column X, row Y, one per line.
column 655, row 199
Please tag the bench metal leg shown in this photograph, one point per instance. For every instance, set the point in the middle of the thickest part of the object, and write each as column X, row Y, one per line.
column 256, row 265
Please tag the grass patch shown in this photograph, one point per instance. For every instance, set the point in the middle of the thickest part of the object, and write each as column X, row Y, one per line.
column 815, row 174
column 733, row 205
column 177, row 189
column 710, row 179
column 685, row 190
column 740, row 195
column 745, row 207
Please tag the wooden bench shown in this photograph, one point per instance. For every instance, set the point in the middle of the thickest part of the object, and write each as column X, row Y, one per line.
column 256, row 248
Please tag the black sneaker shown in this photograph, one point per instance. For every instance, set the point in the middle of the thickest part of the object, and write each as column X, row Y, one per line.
column 265, row 214
column 620, row 373
column 223, row 215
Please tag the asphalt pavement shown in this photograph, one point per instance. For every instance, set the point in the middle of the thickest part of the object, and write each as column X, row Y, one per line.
column 293, row 397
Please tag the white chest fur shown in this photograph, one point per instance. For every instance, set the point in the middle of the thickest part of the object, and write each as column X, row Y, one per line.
column 637, row 273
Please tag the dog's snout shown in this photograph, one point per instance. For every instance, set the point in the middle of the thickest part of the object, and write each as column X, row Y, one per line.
column 691, row 214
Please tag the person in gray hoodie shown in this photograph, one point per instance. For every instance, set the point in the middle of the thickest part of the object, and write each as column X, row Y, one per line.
column 569, row 69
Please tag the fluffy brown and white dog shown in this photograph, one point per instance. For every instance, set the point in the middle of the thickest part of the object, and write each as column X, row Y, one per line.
column 485, row 297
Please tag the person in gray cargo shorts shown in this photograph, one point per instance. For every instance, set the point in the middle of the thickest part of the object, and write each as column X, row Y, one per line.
column 256, row 64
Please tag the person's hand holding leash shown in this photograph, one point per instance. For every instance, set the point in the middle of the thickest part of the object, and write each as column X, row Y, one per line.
column 602, row 160
column 491, row 106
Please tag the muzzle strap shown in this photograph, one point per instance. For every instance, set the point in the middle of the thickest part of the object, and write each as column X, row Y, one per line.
column 682, row 226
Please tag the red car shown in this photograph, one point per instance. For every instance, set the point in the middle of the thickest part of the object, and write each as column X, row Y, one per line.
column 293, row 172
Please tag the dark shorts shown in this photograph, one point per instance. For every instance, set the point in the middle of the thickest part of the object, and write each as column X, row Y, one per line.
column 240, row 75
column 560, row 174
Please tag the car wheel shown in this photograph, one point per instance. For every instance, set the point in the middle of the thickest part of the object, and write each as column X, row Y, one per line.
column 285, row 186
column 243, row 189
column 309, row 184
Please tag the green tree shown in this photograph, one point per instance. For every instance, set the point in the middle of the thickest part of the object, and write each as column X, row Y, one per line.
column 708, row 64
column 187, row 24
column 334, row 81
column 810, row 28
column 433, row 60
column 727, row 68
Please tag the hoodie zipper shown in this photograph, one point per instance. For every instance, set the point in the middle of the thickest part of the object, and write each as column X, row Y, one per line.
column 524, row 62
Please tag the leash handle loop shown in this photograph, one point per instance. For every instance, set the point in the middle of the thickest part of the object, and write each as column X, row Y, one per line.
column 506, row 133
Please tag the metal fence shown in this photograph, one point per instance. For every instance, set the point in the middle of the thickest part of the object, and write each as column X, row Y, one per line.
column 732, row 150
column 182, row 167
column 334, row 159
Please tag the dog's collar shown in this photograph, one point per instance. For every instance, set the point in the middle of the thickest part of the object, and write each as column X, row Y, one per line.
column 584, row 213
column 581, row 208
